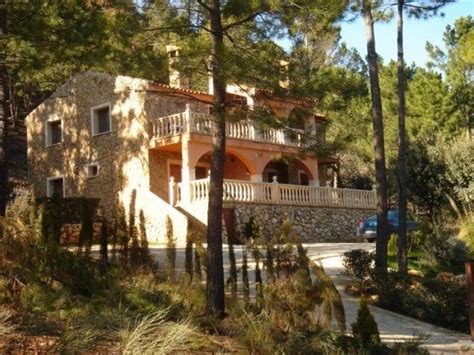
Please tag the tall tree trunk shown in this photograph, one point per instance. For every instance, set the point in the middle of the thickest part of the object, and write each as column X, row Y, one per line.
column 377, row 122
column 4, row 110
column 215, row 270
column 402, row 252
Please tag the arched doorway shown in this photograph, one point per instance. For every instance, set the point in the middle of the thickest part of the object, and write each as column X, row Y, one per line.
column 234, row 167
column 287, row 171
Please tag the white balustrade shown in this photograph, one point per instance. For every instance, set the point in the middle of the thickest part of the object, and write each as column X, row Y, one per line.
column 202, row 123
column 282, row 194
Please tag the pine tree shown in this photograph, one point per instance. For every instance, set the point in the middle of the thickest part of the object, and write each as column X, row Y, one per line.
column 231, row 38
column 416, row 9
column 379, row 149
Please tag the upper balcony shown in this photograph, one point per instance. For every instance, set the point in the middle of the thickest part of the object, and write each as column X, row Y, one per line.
column 167, row 127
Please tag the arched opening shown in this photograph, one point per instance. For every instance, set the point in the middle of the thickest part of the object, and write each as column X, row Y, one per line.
column 287, row 171
column 234, row 167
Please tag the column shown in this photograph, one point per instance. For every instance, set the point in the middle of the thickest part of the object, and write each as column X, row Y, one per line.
column 315, row 181
column 188, row 173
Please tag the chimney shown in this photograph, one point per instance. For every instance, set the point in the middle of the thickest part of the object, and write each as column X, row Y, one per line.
column 175, row 78
column 284, row 80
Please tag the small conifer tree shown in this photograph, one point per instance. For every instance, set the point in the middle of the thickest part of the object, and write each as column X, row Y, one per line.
column 188, row 257
column 133, row 233
column 245, row 278
column 104, row 244
column 122, row 233
column 113, row 239
column 144, row 251
column 87, row 228
column 365, row 329
column 232, row 281
column 170, row 250
column 198, row 252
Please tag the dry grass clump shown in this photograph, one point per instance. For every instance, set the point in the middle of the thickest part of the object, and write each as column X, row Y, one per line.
column 6, row 325
column 154, row 334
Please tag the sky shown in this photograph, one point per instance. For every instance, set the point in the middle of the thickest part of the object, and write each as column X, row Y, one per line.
column 416, row 34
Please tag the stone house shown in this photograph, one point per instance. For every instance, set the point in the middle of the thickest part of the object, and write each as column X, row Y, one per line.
column 121, row 139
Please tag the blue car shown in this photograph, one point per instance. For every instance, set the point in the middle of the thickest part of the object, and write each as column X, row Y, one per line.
column 367, row 228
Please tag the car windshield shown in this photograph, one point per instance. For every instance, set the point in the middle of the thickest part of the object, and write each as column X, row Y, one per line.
column 392, row 214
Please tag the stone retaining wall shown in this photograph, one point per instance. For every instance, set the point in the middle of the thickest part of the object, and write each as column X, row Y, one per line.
column 313, row 224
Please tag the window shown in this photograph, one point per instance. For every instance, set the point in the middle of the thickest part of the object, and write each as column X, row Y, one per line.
column 92, row 170
column 55, row 187
column 54, row 132
column 101, row 120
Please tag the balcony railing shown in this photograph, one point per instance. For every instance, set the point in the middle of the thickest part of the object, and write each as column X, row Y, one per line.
column 194, row 122
column 240, row 191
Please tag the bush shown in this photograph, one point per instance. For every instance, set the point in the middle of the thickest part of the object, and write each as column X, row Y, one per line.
column 392, row 245
column 365, row 329
column 6, row 324
column 466, row 232
column 255, row 332
column 444, row 252
column 358, row 263
column 430, row 300
column 154, row 334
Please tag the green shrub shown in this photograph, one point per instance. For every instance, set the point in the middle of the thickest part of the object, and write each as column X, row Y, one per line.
column 443, row 252
column 358, row 264
column 392, row 245
column 430, row 300
column 365, row 329
column 36, row 298
column 466, row 232
column 411, row 347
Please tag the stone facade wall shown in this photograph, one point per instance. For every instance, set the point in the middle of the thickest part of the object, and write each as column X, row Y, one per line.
column 122, row 154
column 313, row 224
column 159, row 182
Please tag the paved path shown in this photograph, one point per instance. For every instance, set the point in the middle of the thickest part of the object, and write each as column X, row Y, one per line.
column 392, row 326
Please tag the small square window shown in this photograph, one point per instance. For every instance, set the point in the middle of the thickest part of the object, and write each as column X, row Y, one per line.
column 55, row 187
column 92, row 170
column 54, row 132
column 101, row 122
